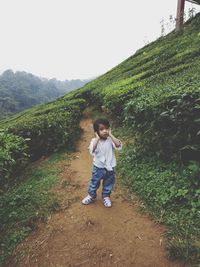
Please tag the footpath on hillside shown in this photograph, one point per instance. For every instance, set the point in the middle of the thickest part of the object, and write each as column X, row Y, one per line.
column 92, row 235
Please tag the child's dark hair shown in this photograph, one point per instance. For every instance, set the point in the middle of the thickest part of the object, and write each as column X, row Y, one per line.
column 105, row 122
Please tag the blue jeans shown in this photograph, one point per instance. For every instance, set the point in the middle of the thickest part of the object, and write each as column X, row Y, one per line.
column 108, row 178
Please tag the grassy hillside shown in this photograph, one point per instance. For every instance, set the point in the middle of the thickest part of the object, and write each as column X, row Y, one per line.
column 155, row 94
column 165, row 67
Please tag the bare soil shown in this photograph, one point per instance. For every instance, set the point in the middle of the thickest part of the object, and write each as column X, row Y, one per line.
column 92, row 235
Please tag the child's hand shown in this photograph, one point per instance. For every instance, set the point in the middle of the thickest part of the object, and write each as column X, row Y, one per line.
column 109, row 131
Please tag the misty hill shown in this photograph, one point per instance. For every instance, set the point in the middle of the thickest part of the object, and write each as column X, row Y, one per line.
column 21, row 90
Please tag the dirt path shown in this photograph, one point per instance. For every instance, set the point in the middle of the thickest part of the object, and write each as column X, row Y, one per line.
column 93, row 235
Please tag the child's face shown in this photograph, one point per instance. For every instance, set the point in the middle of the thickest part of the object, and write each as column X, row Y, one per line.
column 103, row 131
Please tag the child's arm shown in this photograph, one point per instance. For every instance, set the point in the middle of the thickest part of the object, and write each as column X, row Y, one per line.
column 117, row 142
column 93, row 145
column 96, row 140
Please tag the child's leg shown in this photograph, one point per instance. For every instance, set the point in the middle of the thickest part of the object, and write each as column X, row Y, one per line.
column 108, row 183
column 97, row 174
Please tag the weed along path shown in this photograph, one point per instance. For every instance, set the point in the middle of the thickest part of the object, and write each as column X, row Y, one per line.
column 92, row 235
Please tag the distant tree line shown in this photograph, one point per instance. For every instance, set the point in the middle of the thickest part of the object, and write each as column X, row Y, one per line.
column 22, row 90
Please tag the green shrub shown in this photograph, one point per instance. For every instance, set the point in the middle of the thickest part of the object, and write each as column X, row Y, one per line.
column 170, row 127
column 13, row 157
column 44, row 129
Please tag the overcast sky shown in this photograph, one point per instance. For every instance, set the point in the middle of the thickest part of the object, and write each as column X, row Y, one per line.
column 69, row 39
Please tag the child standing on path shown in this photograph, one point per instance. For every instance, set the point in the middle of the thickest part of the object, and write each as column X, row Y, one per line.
column 102, row 149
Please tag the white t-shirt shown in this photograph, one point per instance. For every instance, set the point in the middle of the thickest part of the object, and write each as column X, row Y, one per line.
column 103, row 156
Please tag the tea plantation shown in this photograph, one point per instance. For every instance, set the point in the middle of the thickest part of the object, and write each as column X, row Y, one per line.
column 155, row 94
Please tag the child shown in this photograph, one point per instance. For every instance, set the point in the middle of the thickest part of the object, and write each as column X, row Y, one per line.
column 102, row 149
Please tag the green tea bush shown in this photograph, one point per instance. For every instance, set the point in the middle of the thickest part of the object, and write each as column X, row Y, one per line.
column 43, row 129
column 172, row 127
column 13, row 157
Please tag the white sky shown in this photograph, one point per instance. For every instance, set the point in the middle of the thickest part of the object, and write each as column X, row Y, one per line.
column 69, row 39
